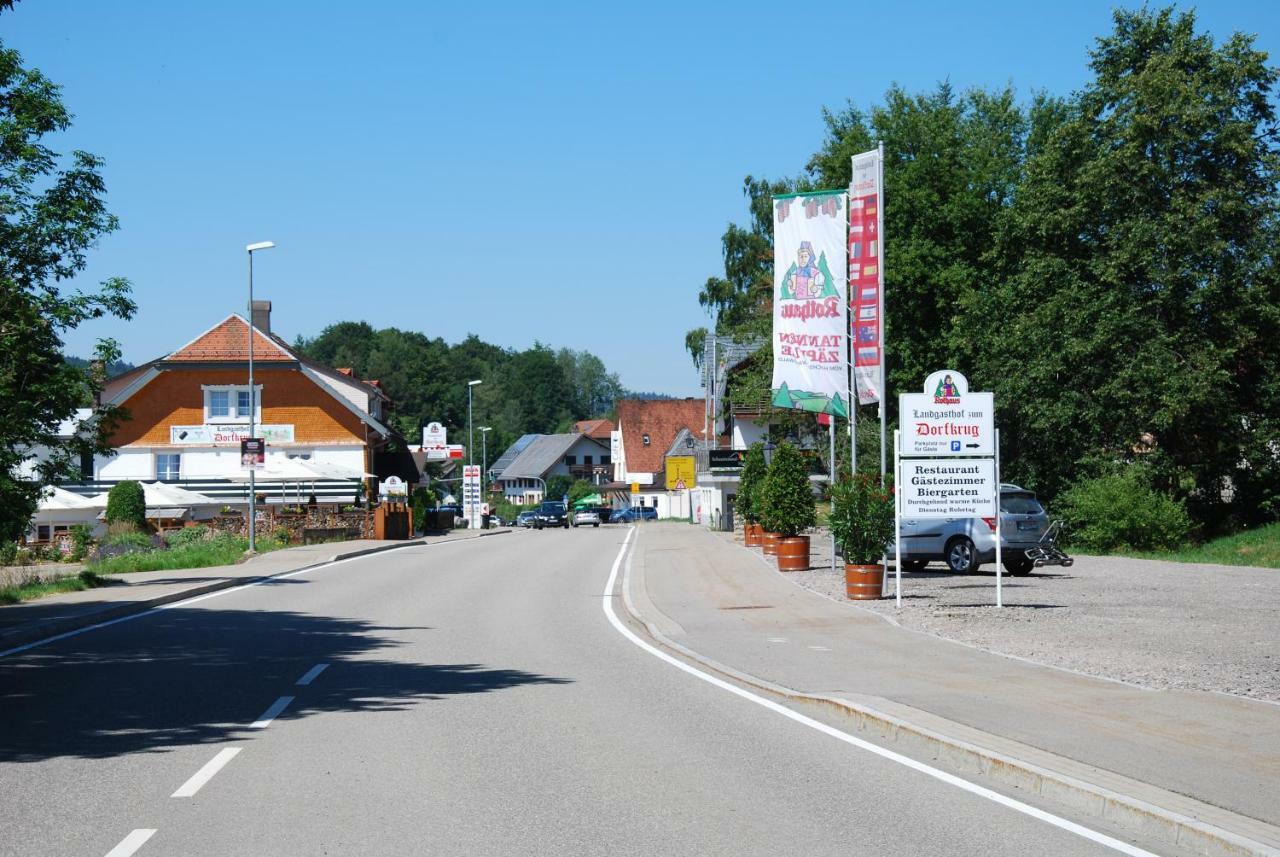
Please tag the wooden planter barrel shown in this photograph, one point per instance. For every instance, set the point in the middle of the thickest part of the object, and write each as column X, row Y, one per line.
column 793, row 553
column 863, row 582
column 770, row 543
column 753, row 535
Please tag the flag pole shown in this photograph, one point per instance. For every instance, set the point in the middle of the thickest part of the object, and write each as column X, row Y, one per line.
column 884, row 352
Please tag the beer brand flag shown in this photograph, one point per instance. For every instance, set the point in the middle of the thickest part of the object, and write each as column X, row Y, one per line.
column 865, row 283
column 810, row 302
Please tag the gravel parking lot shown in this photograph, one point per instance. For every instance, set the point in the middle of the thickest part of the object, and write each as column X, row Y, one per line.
column 1156, row 624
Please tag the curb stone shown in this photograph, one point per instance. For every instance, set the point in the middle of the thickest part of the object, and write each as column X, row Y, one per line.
column 57, row 627
column 1128, row 812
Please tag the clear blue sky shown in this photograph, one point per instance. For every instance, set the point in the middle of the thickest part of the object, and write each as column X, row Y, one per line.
column 518, row 170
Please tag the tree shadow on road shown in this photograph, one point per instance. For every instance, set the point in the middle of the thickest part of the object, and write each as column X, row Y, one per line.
column 199, row 676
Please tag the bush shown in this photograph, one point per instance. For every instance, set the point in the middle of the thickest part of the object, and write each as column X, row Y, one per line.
column 753, row 473
column 81, row 540
column 186, row 535
column 8, row 552
column 785, row 500
column 129, row 542
column 420, row 501
column 127, row 504
column 1122, row 512
column 862, row 520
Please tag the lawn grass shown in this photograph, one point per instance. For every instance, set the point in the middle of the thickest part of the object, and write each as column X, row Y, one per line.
column 225, row 550
column 31, row 585
column 1260, row 547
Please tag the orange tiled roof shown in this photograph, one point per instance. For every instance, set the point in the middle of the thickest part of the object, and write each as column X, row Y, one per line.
column 662, row 420
column 597, row 429
column 227, row 341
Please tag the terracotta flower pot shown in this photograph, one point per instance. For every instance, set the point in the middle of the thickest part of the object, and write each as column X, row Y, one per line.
column 863, row 582
column 753, row 535
column 793, row 553
column 770, row 544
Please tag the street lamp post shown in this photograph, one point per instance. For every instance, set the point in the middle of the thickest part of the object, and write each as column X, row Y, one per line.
column 253, row 401
column 484, row 459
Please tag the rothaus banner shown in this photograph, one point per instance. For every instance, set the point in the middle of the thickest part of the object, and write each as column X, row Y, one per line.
column 810, row 300
column 866, row 296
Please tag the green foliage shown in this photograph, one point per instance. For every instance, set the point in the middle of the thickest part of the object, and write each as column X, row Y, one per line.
column 8, row 552
column 81, row 541
column 753, row 472
column 421, row 501
column 130, row 539
column 785, row 500
column 221, row 549
column 1122, row 512
column 127, row 504
column 53, row 212
column 558, row 485
column 1260, row 547
column 579, row 489
column 187, row 535
column 31, row 586
column 862, row 518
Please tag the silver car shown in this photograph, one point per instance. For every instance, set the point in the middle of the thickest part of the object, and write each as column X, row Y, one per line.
column 964, row 544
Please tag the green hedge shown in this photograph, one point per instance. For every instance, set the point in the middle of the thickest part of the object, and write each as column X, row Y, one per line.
column 1122, row 512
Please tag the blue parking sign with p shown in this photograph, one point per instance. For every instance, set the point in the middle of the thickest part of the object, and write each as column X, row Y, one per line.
column 955, row 446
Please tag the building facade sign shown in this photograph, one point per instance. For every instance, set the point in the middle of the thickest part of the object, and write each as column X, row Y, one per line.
column 229, row 435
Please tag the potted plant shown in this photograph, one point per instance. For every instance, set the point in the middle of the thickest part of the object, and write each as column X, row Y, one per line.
column 786, row 507
column 753, row 472
column 862, row 524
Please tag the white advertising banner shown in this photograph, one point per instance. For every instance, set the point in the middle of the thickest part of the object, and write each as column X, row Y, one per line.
column 948, row 488
column 810, row 302
column 217, row 435
column 866, row 298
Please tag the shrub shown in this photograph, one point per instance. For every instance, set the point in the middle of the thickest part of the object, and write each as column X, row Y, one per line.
column 785, row 500
column 127, row 504
column 422, row 500
column 130, row 541
column 8, row 552
column 186, row 535
column 81, row 540
column 753, row 473
column 1122, row 512
column 862, row 520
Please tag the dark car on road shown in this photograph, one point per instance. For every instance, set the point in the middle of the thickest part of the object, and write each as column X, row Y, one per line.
column 551, row 514
column 636, row 513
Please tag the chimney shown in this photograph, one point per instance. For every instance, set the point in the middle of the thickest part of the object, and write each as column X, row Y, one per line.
column 262, row 315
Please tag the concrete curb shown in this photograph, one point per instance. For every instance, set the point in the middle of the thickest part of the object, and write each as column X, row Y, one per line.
column 1131, row 813
column 56, row 627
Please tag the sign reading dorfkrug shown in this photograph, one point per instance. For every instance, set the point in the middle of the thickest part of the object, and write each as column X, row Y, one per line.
column 946, row 419
column 948, row 488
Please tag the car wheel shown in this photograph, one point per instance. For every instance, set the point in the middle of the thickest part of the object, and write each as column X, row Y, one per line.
column 1018, row 566
column 595, row 525
column 961, row 556
column 914, row 564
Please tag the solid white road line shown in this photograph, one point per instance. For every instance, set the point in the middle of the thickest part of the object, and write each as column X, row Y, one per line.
column 217, row 763
column 943, row 776
column 311, row 675
column 132, row 842
column 271, row 713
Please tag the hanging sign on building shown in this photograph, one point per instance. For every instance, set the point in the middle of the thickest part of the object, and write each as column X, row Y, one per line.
column 229, row 435
column 810, row 304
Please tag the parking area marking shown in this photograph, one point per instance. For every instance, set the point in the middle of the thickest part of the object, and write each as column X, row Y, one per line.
column 271, row 713
column 311, row 675
column 132, row 842
column 202, row 776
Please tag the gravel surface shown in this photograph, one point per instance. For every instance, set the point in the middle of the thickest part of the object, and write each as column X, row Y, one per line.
column 1157, row 624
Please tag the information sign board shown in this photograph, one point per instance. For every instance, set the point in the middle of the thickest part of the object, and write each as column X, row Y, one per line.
column 946, row 419
column 471, row 494
column 948, row 488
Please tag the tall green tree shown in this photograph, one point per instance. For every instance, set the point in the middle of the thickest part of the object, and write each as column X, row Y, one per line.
column 51, row 212
column 1136, row 278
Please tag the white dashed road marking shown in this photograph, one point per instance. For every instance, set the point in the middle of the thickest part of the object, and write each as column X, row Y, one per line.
column 131, row 843
column 271, row 713
column 217, row 763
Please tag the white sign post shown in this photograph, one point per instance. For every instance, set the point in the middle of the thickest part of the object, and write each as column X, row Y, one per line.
column 471, row 495
column 946, row 460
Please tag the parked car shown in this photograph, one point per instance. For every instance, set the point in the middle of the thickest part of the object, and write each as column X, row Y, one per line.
column 551, row 514
column 636, row 513
column 586, row 516
column 964, row 544
column 525, row 518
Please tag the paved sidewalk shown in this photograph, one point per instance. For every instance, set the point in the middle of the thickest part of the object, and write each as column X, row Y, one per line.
column 1199, row 769
column 133, row 593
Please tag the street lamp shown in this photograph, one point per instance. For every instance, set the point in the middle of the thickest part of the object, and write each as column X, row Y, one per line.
column 253, row 400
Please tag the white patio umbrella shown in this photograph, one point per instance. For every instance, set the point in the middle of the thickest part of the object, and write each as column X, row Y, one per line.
column 55, row 499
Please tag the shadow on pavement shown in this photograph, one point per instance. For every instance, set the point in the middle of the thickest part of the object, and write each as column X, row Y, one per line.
column 199, row 676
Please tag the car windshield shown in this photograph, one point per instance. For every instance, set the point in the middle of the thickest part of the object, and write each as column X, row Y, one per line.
column 1020, row 504
column 553, row 508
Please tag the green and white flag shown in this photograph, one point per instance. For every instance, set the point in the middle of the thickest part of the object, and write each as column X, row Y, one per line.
column 810, row 302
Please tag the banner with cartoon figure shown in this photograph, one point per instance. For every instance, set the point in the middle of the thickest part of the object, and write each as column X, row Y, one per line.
column 810, row 318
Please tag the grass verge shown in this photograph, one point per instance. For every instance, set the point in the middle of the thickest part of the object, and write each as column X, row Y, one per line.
column 1260, row 547
column 30, row 585
column 226, row 550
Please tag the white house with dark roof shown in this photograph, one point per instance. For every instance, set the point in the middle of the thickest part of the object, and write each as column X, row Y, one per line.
column 523, row 479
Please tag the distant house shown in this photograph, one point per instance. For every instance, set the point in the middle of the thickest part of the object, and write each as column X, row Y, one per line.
column 523, row 478
column 188, row 411
column 648, row 431
column 596, row 429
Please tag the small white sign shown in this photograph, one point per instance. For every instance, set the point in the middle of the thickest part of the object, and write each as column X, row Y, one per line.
column 946, row 419
column 393, row 486
column 948, row 488
column 433, row 435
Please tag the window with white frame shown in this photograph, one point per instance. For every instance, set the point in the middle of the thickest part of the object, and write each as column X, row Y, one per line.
column 229, row 404
column 168, row 466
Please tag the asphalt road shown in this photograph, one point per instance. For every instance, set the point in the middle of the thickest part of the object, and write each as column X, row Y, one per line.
column 476, row 700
